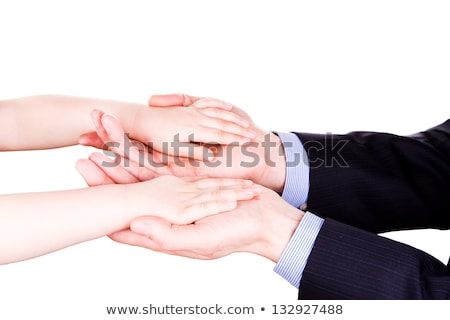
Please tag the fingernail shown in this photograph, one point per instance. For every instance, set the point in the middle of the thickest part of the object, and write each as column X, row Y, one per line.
column 141, row 228
column 248, row 183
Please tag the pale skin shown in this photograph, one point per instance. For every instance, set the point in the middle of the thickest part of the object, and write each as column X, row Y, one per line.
column 271, row 176
column 22, row 121
column 261, row 226
column 34, row 224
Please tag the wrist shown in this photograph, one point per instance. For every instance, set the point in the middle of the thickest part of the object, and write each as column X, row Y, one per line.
column 134, row 202
column 132, row 118
column 272, row 173
column 275, row 222
column 279, row 234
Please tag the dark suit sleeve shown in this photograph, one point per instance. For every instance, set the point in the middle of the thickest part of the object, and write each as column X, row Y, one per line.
column 350, row 263
column 381, row 182
column 370, row 183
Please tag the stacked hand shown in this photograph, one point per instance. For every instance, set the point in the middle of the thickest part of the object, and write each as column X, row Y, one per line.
column 262, row 225
column 260, row 160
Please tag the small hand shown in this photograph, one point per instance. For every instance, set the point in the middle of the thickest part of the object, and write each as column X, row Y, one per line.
column 185, row 200
column 177, row 131
column 101, row 169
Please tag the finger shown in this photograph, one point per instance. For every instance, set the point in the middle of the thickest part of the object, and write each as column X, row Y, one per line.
column 91, row 139
column 133, row 239
column 214, row 135
column 118, row 141
column 93, row 175
column 222, row 182
column 136, row 169
column 227, row 131
column 223, row 194
column 226, row 116
column 180, row 167
column 109, row 128
column 206, row 208
column 212, row 102
column 172, row 238
column 96, row 116
column 170, row 100
column 192, row 151
column 194, row 178
column 112, row 168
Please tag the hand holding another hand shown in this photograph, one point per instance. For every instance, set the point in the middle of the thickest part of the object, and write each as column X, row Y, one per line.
column 185, row 200
column 262, row 226
column 261, row 160
column 177, row 131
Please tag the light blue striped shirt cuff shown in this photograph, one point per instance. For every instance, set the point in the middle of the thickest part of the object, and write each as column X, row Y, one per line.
column 294, row 258
column 296, row 186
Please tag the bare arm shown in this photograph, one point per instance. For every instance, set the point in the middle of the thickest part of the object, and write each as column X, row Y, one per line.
column 48, row 121
column 37, row 223
column 34, row 224
column 42, row 122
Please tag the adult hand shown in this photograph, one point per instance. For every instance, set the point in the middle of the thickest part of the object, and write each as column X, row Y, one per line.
column 261, row 160
column 261, row 226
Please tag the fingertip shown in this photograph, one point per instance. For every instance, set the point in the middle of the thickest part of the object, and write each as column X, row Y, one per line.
column 94, row 156
column 228, row 106
column 80, row 164
column 106, row 122
column 150, row 100
column 96, row 115
column 83, row 140
column 141, row 227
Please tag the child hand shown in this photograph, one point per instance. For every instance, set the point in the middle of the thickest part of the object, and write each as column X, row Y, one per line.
column 132, row 158
column 185, row 200
column 178, row 130
column 206, row 121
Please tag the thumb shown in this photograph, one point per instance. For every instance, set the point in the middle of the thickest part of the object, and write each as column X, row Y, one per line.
column 92, row 174
column 195, row 152
column 171, row 100
column 146, row 226
column 91, row 139
column 169, row 238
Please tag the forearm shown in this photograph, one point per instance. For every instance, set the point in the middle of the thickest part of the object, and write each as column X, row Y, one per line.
column 41, row 122
column 34, row 224
column 355, row 177
column 350, row 263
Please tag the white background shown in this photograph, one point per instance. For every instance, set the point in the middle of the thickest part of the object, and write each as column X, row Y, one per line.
column 322, row 66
